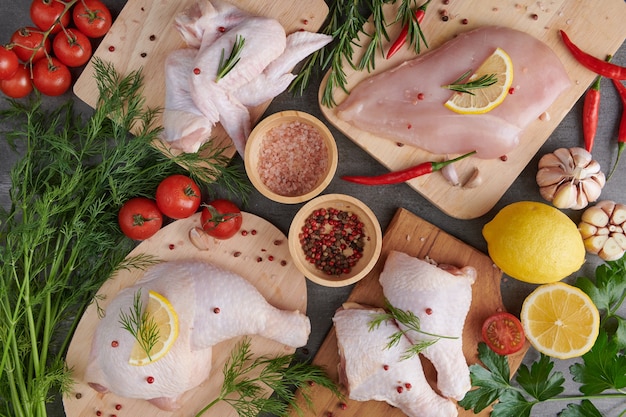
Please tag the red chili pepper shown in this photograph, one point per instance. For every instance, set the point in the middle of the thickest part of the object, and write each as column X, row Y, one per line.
column 420, row 12
column 591, row 109
column 405, row 174
column 621, row 133
column 600, row 67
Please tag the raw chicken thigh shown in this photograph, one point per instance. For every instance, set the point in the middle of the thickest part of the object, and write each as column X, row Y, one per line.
column 387, row 104
column 371, row 371
column 212, row 305
column 441, row 299
column 195, row 101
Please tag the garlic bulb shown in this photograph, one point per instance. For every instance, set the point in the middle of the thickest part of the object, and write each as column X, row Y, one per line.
column 603, row 229
column 570, row 178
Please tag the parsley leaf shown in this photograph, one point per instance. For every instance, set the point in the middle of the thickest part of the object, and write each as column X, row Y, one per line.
column 584, row 409
column 539, row 381
column 512, row 404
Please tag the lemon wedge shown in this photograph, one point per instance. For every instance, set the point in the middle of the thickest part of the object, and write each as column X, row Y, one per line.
column 162, row 321
column 487, row 98
column 560, row 320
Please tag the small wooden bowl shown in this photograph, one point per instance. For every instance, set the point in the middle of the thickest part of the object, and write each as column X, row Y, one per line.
column 255, row 143
column 371, row 248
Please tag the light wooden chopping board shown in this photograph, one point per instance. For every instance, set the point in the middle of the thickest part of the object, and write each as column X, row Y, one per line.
column 598, row 29
column 144, row 34
column 277, row 279
column 416, row 237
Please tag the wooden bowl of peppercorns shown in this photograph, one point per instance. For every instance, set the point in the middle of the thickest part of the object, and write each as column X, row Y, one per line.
column 335, row 240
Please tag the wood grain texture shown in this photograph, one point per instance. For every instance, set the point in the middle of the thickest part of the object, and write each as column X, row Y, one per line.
column 413, row 235
column 282, row 285
column 598, row 30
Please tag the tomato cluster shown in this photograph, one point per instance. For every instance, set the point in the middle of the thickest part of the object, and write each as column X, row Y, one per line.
column 41, row 55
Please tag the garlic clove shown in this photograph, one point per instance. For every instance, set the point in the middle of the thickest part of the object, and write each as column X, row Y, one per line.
column 618, row 215
column 611, row 250
column 620, row 239
column 587, row 230
column 580, row 157
column 550, row 175
column 591, row 190
column 550, row 160
column 548, row 191
column 565, row 196
column 199, row 238
column 596, row 216
column 595, row 243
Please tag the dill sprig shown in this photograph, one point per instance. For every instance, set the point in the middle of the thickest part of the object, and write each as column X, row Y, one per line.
column 251, row 378
column 476, row 84
column 227, row 64
column 412, row 323
column 140, row 324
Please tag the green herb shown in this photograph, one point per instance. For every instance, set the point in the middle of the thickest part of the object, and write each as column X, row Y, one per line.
column 227, row 64
column 141, row 325
column 406, row 15
column 411, row 322
column 251, row 378
column 467, row 87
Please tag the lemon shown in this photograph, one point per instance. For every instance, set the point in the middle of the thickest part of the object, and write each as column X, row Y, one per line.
column 560, row 320
column 487, row 98
column 534, row 242
column 162, row 321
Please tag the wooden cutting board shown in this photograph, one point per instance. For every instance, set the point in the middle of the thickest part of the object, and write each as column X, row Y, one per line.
column 598, row 30
column 413, row 235
column 278, row 280
column 143, row 35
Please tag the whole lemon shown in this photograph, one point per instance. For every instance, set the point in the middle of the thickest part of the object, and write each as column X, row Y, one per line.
column 534, row 242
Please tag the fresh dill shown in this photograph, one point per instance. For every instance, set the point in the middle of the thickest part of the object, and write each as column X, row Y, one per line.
column 140, row 324
column 466, row 87
column 227, row 64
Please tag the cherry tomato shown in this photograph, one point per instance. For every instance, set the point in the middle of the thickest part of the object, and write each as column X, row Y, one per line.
column 92, row 18
column 178, row 196
column 19, row 85
column 140, row 218
column 29, row 45
column 221, row 219
column 72, row 48
column 51, row 77
column 8, row 63
column 503, row 333
column 44, row 14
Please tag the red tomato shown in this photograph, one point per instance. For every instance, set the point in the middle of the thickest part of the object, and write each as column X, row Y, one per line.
column 178, row 196
column 19, row 85
column 8, row 63
column 140, row 218
column 92, row 18
column 221, row 219
column 44, row 14
column 29, row 45
column 51, row 77
column 503, row 333
column 72, row 48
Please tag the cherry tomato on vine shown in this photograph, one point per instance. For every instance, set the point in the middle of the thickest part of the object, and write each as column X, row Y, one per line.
column 72, row 47
column 503, row 333
column 29, row 45
column 92, row 18
column 221, row 219
column 8, row 63
column 178, row 196
column 19, row 85
column 44, row 14
column 140, row 218
column 51, row 77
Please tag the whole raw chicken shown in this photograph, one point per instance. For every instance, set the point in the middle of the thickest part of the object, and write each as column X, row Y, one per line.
column 212, row 305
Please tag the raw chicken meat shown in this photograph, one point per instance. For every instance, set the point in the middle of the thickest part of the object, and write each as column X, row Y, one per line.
column 371, row 371
column 387, row 104
column 195, row 101
column 195, row 289
column 440, row 297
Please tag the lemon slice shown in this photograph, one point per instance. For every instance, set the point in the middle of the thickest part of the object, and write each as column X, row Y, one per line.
column 560, row 320
column 161, row 318
column 488, row 98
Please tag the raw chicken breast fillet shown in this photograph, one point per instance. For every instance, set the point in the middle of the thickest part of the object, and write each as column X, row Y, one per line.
column 388, row 106
column 194, row 289
column 441, row 299
column 372, row 371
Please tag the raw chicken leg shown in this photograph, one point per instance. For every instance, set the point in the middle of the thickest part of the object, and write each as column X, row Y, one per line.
column 212, row 305
column 371, row 371
column 441, row 300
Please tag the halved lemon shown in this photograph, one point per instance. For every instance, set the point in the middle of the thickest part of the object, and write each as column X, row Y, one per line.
column 560, row 320
column 487, row 98
column 162, row 320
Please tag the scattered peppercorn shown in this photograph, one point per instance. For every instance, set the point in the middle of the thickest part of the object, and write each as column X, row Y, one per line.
column 504, row 158
column 400, row 389
column 420, row 96
column 386, row 367
column 196, row 71
column 78, row 395
column 237, row 254
column 244, row 233
column 270, row 258
column 115, row 343
column 253, row 232
column 118, row 406
column 444, row 18
column 305, row 22
column 98, row 413
column 171, row 246
column 429, row 311
column 278, row 242
column 283, row 263
column 343, row 406
column 399, row 144
column 150, row 380
column 152, row 37
column 464, row 21
column 259, row 259
column 408, row 385
column 221, row 29
column 111, row 48
column 534, row 16
column 216, row 310
column 143, row 54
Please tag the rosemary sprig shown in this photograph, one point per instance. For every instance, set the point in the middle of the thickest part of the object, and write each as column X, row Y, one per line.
column 227, row 64
column 467, row 87
column 140, row 324
column 412, row 323
column 379, row 33
column 250, row 378
column 406, row 15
